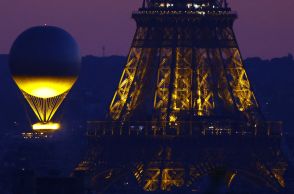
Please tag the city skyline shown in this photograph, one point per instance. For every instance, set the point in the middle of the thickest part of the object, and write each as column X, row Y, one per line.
column 99, row 23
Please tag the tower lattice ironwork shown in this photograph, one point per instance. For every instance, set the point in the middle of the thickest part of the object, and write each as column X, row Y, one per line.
column 184, row 117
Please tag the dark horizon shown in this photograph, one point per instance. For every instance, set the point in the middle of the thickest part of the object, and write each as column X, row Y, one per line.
column 103, row 23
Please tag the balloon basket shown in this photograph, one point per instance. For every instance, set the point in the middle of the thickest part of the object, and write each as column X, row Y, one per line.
column 46, row 127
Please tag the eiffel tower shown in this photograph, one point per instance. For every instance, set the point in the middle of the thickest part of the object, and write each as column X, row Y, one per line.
column 184, row 118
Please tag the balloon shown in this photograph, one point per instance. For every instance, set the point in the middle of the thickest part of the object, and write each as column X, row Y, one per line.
column 44, row 63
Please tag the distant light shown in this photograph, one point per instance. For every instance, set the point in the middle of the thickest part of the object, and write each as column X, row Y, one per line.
column 169, row 5
column 196, row 6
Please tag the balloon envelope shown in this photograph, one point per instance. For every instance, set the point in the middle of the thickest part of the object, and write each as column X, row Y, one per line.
column 45, row 61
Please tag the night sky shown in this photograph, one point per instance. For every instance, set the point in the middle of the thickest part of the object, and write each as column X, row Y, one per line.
column 265, row 28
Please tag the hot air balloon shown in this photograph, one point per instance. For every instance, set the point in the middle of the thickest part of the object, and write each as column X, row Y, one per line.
column 44, row 62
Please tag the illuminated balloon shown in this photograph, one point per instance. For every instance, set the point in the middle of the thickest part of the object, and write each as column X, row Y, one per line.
column 44, row 63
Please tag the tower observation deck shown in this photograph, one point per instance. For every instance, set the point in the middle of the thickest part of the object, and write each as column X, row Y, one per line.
column 220, row 5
